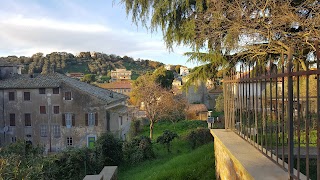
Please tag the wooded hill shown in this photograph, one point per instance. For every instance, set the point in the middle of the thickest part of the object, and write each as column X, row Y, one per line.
column 85, row 62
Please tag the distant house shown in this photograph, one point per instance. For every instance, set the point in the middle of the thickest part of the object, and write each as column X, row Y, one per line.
column 120, row 75
column 75, row 75
column 168, row 67
column 57, row 111
column 197, row 112
column 177, row 83
column 184, row 71
column 123, row 87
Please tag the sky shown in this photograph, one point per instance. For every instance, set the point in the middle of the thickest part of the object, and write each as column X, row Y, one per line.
column 28, row 27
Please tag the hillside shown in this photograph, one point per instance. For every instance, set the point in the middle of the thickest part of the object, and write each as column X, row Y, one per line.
column 85, row 62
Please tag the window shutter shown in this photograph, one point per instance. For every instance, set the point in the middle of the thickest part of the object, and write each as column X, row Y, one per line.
column 63, row 120
column 73, row 119
column 86, row 119
column 96, row 119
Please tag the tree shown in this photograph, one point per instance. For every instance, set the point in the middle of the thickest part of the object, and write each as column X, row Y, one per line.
column 177, row 69
column 166, row 138
column 252, row 31
column 219, row 107
column 158, row 100
column 88, row 78
column 164, row 77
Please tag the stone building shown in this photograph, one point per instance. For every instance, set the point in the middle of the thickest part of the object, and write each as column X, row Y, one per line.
column 120, row 75
column 123, row 87
column 57, row 111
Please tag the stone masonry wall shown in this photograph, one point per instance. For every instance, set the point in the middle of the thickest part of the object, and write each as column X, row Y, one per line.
column 227, row 167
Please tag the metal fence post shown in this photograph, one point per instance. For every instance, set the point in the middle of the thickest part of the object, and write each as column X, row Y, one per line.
column 318, row 109
column 290, row 115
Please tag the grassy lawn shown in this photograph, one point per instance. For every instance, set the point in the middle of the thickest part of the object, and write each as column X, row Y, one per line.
column 181, row 163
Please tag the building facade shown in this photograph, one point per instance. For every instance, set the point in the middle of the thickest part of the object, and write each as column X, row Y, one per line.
column 123, row 87
column 58, row 112
column 120, row 75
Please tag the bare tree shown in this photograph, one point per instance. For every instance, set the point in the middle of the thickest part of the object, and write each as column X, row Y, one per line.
column 159, row 102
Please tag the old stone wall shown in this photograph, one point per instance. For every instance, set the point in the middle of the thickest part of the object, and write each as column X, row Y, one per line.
column 227, row 167
column 80, row 104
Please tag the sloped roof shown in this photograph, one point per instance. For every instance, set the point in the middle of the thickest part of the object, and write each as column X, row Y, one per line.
column 19, row 81
column 197, row 108
column 6, row 63
column 116, row 85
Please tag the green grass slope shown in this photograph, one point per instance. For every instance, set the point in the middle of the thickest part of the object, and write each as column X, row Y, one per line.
column 182, row 163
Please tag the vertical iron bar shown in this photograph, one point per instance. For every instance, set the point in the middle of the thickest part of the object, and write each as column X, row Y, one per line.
column 241, row 100
column 290, row 116
column 307, row 125
column 261, row 110
column 271, row 119
column 256, row 109
column 277, row 118
column 282, row 109
column 247, row 118
column 318, row 110
column 265, row 112
column 249, row 105
column 298, row 123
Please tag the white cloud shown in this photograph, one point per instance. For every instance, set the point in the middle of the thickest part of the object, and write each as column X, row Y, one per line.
column 28, row 33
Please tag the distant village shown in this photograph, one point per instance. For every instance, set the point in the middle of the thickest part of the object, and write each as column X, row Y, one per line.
column 60, row 110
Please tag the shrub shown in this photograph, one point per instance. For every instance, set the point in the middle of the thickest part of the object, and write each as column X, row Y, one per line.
column 219, row 103
column 109, row 150
column 137, row 150
column 199, row 137
column 135, row 128
column 166, row 138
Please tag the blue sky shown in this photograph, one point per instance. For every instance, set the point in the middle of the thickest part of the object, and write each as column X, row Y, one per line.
column 28, row 27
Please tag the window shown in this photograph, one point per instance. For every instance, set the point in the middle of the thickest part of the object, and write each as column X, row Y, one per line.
column 27, row 119
column 120, row 117
column 55, row 90
column 42, row 91
column 42, row 109
column 26, row 96
column 56, row 131
column 69, row 141
column 67, row 96
column 91, row 119
column 13, row 139
column 43, row 130
column 11, row 96
column 12, row 119
column 56, row 110
column 68, row 120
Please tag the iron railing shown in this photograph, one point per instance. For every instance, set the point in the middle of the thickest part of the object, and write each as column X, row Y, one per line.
column 277, row 110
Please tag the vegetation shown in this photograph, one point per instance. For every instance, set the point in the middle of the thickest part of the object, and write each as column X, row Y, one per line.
column 166, row 138
column 199, row 137
column 182, row 163
column 219, row 104
column 159, row 102
column 223, row 33
column 138, row 149
column 86, row 62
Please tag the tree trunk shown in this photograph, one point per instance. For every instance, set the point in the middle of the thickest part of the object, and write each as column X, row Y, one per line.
column 151, row 129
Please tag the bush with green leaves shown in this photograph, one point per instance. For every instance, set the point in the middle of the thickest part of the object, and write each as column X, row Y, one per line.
column 21, row 161
column 138, row 149
column 199, row 137
column 109, row 150
column 219, row 107
column 135, row 128
column 166, row 138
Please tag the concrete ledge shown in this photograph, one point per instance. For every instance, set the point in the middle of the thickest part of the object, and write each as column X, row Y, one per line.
column 237, row 159
column 107, row 173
